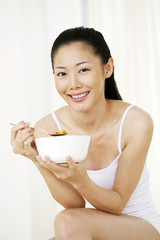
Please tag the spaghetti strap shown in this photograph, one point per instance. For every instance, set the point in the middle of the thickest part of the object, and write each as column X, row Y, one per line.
column 121, row 127
column 56, row 121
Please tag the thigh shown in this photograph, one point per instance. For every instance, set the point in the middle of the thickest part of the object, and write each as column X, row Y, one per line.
column 105, row 226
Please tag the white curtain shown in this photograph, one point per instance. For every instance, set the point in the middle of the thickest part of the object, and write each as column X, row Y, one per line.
column 131, row 29
column 27, row 31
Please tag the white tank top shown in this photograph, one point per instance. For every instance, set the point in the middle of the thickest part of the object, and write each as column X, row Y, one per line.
column 140, row 203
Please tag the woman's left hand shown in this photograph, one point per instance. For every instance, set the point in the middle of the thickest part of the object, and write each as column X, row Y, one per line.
column 72, row 172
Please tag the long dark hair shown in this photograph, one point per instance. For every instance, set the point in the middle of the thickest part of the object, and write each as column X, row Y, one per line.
column 96, row 40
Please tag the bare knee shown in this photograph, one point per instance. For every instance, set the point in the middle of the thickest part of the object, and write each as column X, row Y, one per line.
column 67, row 224
column 64, row 224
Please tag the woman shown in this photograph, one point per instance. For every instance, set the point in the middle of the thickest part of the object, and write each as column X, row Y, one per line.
column 106, row 195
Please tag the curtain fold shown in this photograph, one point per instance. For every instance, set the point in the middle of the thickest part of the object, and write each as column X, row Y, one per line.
column 131, row 29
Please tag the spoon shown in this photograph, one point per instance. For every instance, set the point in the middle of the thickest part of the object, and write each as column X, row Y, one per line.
column 55, row 134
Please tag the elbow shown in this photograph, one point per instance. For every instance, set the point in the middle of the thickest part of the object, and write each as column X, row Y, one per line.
column 78, row 204
column 115, row 210
column 117, row 207
column 68, row 206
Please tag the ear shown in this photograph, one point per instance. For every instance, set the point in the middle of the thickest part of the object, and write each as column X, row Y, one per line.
column 108, row 68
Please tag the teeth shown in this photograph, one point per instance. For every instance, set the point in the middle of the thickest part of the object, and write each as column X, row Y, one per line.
column 80, row 96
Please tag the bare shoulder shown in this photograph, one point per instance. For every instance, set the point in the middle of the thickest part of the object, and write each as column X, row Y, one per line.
column 139, row 124
column 46, row 123
column 135, row 117
column 140, row 118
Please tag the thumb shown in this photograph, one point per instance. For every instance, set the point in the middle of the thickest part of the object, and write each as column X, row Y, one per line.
column 70, row 162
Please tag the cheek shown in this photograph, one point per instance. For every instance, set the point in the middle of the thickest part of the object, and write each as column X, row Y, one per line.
column 60, row 85
column 96, row 81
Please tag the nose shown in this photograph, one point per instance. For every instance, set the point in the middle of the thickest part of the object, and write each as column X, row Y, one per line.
column 74, row 82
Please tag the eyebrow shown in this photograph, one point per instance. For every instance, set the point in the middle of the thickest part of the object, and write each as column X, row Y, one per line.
column 77, row 64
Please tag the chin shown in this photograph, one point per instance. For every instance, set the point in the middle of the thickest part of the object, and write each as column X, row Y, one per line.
column 80, row 109
column 83, row 106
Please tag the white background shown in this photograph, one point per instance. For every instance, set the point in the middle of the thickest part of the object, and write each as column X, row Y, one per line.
column 27, row 31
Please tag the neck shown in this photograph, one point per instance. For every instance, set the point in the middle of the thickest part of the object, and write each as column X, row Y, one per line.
column 92, row 120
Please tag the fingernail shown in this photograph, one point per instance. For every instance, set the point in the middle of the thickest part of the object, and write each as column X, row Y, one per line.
column 68, row 158
column 47, row 160
column 38, row 157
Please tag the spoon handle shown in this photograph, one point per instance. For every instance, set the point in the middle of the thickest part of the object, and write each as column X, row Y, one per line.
column 39, row 129
column 13, row 124
column 51, row 134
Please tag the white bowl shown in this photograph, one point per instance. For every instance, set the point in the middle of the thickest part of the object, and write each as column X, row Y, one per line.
column 58, row 148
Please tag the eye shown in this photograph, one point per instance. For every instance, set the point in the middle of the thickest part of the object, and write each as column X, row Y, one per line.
column 84, row 70
column 61, row 74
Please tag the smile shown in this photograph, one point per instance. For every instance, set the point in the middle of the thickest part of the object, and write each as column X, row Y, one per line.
column 79, row 97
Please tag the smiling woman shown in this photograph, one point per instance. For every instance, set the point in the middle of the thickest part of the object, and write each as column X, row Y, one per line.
column 110, row 188
column 83, row 76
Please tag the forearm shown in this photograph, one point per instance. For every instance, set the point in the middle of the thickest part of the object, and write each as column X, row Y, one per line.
column 23, row 143
column 64, row 193
column 105, row 200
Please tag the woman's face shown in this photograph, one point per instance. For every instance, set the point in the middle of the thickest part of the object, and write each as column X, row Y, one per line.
column 79, row 76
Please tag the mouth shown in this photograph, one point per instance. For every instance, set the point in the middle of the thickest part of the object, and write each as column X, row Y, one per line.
column 79, row 96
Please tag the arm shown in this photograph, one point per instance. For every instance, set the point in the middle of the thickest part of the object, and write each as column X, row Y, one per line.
column 131, row 163
column 137, row 138
column 63, row 192
column 22, row 141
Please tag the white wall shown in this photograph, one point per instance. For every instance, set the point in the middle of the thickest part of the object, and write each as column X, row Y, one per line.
column 27, row 31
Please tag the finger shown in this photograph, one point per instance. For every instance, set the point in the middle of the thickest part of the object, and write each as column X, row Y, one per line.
column 26, row 129
column 28, row 141
column 24, row 134
column 51, row 163
column 43, row 163
column 21, row 145
column 21, row 125
column 21, row 137
column 40, row 160
column 64, row 164
column 70, row 162
column 48, row 160
column 55, row 167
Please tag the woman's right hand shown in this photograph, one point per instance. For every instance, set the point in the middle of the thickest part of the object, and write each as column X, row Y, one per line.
column 23, row 141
